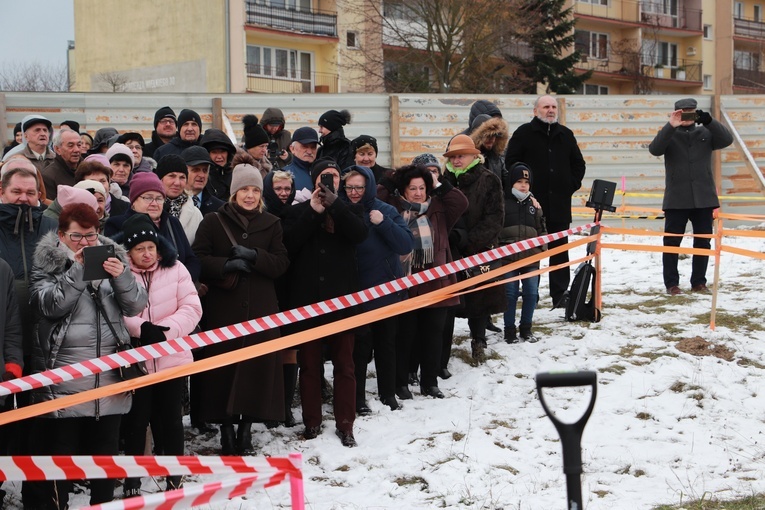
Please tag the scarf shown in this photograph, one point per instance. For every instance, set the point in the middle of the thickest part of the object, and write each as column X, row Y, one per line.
column 521, row 196
column 174, row 205
column 459, row 171
column 422, row 232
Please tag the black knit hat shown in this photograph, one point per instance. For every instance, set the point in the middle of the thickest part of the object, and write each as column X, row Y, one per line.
column 125, row 137
column 334, row 120
column 363, row 140
column 73, row 125
column 187, row 115
column 162, row 113
column 139, row 228
column 322, row 164
column 16, row 129
column 171, row 163
column 254, row 134
column 520, row 171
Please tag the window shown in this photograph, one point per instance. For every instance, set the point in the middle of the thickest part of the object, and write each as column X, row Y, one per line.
column 351, row 39
column 757, row 13
column 279, row 62
column 395, row 10
column 591, row 44
column 746, row 60
column 707, row 31
column 667, row 54
column 596, row 2
column 707, row 82
column 738, row 10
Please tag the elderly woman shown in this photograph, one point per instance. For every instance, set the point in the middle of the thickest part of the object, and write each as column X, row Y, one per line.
column 481, row 225
column 430, row 207
column 365, row 151
column 173, row 310
column 98, row 191
column 80, row 320
column 377, row 259
column 241, row 250
column 121, row 160
column 147, row 195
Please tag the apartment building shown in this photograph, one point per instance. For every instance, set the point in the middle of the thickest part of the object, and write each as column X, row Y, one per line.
column 671, row 46
column 219, row 46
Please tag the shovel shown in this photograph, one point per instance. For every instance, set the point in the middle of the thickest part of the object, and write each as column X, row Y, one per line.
column 570, row 433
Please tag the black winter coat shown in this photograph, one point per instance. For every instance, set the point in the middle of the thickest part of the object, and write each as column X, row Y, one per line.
column 336, row 146
column 174, row 146
column 552, row 153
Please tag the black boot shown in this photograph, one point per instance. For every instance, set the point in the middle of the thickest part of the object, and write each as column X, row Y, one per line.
column 227, row 437
column 173, row 482
column 244, row 438
column 290, row 382
column 510, row 335
column 477, row 350
column 527, row 335
column 490, row 325
column 131, row 488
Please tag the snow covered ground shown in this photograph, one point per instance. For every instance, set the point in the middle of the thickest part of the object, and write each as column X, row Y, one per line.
column 669, row 424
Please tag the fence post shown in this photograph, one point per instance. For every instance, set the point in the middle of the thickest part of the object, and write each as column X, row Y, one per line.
column 217, row 113
column 395, row 150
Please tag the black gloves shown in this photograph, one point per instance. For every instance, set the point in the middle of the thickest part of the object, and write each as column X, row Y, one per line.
column 703, row 117
column 327, row 197
column 232, row 265
column 244, row 253
column 152, row 334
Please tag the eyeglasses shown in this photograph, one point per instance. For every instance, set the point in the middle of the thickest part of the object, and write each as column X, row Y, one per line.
column 76, row 237
column 133, row 147
column 167, row 121
column 283, row 190
column 357, row 189
column 148, row 200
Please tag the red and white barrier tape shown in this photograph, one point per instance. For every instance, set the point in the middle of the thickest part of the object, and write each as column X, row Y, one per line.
column 258, row 472
column 186, row 343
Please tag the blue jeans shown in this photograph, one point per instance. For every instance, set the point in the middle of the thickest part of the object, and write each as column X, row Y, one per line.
column 530, row 295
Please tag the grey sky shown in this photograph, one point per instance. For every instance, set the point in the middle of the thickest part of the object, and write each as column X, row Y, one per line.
column 36, row 30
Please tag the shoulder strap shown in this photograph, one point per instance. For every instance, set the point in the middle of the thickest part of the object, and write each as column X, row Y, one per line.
column 226, row 229
column 100, row 307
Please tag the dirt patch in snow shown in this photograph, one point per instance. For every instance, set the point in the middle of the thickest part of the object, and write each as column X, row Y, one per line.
column 697, row 346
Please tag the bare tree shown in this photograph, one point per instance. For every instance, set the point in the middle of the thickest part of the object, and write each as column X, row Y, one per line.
column 33, row 77
column 628, row 52
column 115, row 81
column 440, row 45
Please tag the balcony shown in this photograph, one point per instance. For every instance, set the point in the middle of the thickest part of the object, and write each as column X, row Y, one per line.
column 278, row 80
column 654, row 13
column 628, row 66
column 748, row 27
column 313, row 22
column 626, row 10
column 753, row 80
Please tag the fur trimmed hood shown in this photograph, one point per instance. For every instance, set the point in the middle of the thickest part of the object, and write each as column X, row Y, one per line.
column 52, row 258
column 490, row 127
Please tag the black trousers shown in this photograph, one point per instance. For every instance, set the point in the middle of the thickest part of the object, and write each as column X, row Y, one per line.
column 380, row 339
column 421, row 338
column 560, row 278
column 162, row 404
column 447, row 337
column 75, row 436
column 675, row 221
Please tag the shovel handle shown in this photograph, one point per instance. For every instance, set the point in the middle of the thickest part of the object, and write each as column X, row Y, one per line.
column 560, row 379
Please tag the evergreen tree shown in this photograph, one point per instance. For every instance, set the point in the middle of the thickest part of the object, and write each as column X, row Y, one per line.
column 548, row 40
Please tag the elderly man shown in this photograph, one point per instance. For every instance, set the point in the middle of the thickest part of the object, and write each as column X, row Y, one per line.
column 67, row 145
column 165, row 128
column 551, row 151
column 221, row 152
column 198, row 164
column 37, row 132
column 189, row 133
column 305, row 141
column 690, row 194
column 173, row 173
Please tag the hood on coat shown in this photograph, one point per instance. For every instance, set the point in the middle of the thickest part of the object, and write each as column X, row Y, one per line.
column 167, row 252
column 492, row 126
column 51, row 257
column 272, row 115
column 370, row 192
column 270, row 198
column 483, row 106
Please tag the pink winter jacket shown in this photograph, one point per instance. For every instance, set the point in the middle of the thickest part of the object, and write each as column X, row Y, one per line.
column 173, row 302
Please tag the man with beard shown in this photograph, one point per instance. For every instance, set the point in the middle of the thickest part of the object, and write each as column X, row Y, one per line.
column 189, row 133
column 552, row 153
column 221, row 151
column 165, row 128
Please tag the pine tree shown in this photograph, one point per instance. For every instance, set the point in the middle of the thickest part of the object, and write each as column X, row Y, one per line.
column 548, row 40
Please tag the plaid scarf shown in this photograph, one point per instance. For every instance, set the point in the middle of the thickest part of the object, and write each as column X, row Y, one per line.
column 422, row 231
column 174, row 205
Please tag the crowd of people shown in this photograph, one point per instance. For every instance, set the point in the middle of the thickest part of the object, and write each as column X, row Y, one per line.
column 205, row 232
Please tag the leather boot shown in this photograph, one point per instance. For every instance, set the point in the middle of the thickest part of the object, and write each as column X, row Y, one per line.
column 477, row 348
column 510, row 335
column 527, row 335
column 244, row 438
column 290, row 383
column 173, row 482
column 227, row 437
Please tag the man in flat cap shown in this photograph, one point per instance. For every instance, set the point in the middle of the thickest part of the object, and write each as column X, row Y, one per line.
column 690, row 194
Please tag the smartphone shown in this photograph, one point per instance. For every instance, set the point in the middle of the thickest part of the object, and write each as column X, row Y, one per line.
column 328, row 180
column 689, row 116
column 95, row 256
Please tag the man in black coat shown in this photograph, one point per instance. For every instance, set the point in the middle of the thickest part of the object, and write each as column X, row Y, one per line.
column 552, row 153
column 165, row 128
column 198, row 163
column 189, row 133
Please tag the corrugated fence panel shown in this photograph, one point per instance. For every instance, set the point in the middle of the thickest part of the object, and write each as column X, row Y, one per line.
column 613, row 131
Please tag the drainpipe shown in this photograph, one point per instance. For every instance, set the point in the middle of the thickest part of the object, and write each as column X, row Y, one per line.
column 228, row 46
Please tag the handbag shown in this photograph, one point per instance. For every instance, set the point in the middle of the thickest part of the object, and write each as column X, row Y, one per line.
column 230, row 280
column 484, row 268
column 133, row 370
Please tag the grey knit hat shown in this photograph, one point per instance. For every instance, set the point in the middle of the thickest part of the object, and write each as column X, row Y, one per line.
column 245, row 175
column 426, row 160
